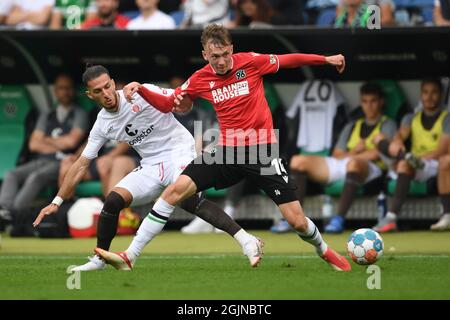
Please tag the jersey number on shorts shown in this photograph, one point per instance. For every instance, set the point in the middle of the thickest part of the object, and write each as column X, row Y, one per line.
column 279, row 167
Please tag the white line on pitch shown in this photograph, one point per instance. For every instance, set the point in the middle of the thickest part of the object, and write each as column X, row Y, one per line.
column 206, row 256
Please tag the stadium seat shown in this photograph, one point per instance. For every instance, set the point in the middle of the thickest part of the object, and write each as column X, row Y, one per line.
column 131, row 14
column 213, row 193
column 413, row 3
column 322, row 153
column 89, row 189
column 422, row 3
column 427, row 14
column 335, row 189
column 416, row 188
column 400, row 4
column 326, row 17
column 395, row 100
column 11, row 142
column 15, row 103
column 178, row 16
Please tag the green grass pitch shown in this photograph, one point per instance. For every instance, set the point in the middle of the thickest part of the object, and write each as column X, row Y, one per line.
column 415, row 265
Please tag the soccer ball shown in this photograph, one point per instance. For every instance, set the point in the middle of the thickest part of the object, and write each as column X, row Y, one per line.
column 365, row 246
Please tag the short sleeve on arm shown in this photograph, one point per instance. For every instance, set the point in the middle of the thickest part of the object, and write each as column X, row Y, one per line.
column 446, row 124
column 95, row 142
column 388, row 128
column 407, row 120
column 344, row 137
column 42, row 122
column 81, row 120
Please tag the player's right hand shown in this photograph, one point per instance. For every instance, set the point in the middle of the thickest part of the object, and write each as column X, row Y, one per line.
column 131, row 89
column 48, row 210
column 395, row 147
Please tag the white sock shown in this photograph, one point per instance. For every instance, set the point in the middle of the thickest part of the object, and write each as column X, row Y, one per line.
column 391, row 216
column 313, row 236
column 150, row 227
column 243, row 237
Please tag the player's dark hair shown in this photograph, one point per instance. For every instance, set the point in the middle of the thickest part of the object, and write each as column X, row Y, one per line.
column 93, row 72
column 217, row 34
column 371, row 88
column 264, row 13
column 435, row 81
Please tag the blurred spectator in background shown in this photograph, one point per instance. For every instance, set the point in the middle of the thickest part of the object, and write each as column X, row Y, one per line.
column 355, row 158
column 352, row 13
column 107, row 16
column 288, row 12
column 5, row 9
column 70, row 14
column 151, row 17
column 387, row 8
column 253, row 14
column 313, row 8
column 428, row 133
column 441, row 14
column 198, row 13
column 318, row 114
column 30, row 14
column 56, row 134
column 115, row 161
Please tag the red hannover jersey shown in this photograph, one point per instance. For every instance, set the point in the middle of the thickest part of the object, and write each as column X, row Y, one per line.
column 238, row 98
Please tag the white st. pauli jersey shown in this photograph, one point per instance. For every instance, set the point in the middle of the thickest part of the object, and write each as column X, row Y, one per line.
column 156, row 136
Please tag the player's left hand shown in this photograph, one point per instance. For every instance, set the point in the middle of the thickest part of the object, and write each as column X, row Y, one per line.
column 182, row 103
column 131, row 89
column 338, row 61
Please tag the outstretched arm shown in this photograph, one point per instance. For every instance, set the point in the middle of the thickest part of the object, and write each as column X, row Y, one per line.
column 161, row 102
column 72, row 178
column 296, row 60
column 178, row 102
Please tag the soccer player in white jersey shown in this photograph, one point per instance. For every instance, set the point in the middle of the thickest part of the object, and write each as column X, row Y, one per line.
column 166, row 148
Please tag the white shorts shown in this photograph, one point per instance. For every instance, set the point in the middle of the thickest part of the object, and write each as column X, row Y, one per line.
column 430, row 170
column 147, row 182
column 337, row 169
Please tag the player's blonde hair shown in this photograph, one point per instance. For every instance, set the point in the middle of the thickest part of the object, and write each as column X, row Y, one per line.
column 217, row 34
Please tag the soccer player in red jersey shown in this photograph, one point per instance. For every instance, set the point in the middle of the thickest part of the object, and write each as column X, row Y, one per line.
column 233, row 83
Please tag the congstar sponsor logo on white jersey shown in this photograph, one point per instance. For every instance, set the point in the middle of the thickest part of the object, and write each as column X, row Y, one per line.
column 156, row 136
column 230, row 91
